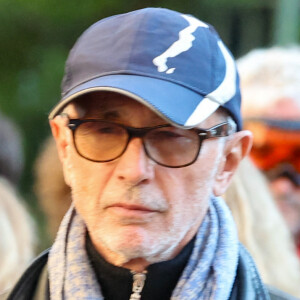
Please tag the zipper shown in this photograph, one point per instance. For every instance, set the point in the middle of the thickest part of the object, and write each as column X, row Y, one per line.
column 137, row 285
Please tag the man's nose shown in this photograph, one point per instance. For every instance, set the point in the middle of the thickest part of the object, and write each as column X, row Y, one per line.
column 134, row 166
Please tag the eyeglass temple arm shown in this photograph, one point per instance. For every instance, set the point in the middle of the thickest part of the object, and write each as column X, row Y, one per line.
column 220, row 130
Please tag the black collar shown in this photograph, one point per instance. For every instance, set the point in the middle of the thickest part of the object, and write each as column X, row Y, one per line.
column 161, row 278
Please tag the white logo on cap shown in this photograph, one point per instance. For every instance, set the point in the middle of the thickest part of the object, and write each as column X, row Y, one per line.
column 184, row 43
column 222, row 94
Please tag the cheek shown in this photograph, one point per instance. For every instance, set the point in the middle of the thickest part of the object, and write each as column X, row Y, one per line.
column 200, row 178
column 87, row 181
column 188, row 191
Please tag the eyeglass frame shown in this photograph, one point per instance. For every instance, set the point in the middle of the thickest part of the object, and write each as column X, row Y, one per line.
column 223, row 129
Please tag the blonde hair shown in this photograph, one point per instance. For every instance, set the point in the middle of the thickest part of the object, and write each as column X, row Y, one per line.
column 54, row 196
column 262, row 229
column 17, row 234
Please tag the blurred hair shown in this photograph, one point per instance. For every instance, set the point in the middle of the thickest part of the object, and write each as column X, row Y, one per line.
column 268, row 75
column 262, row 229
column 11, row 152
column 17, row 234
column 53, row 194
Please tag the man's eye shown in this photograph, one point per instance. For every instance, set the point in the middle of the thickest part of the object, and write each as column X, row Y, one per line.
column 168, row 134
column 108, row 129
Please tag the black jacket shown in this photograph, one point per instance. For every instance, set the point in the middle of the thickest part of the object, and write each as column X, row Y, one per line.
column 33, row 285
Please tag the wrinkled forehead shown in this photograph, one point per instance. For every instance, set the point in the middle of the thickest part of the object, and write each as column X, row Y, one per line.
column 95, row 103
column 111, row 105
column 99, row 101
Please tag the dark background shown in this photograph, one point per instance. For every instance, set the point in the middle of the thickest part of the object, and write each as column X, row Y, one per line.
column 36, row 35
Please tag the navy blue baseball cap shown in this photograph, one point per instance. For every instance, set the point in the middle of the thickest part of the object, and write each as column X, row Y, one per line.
column 174, row 63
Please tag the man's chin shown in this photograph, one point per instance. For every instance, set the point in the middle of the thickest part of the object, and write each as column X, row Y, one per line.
column 132, row 244
column 148, row 251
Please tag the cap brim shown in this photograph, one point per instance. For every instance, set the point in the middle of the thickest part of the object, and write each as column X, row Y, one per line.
column 177, row 104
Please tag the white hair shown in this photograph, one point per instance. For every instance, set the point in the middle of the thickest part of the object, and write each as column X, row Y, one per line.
column 268, row 75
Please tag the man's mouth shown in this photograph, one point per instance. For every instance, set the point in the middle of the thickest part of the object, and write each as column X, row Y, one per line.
column 131, row 210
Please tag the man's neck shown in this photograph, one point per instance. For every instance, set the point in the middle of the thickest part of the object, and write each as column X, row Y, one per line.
column 139, row 264
column 159, row 280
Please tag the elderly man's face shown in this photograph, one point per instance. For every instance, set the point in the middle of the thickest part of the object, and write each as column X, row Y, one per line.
column 133, row 207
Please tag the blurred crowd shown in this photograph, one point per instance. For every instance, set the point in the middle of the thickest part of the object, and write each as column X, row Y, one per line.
column 270, row 81
column 17, row 230
column 264, row 196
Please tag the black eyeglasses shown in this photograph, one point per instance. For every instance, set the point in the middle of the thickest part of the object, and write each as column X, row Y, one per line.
column 169, row 146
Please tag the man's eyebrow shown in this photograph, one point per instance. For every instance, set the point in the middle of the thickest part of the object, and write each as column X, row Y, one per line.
column 110, row 114
column 104, row 112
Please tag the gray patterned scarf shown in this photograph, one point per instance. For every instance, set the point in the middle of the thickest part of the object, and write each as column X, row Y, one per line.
column 209, row 273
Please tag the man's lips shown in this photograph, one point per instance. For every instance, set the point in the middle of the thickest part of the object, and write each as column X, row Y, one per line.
column 130, row 210
column 132, row 206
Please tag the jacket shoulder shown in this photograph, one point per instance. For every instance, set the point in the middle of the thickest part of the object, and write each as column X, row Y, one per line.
column 26, row 286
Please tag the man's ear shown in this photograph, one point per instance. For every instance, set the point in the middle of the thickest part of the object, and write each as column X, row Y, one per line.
column 58, row 128
column 59, row 132
column 236, row 148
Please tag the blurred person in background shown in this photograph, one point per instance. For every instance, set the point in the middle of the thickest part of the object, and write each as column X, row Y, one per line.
column 17, row 233
column 11, row 150
column 53, row 194
column 270, row 85
column 262, row 229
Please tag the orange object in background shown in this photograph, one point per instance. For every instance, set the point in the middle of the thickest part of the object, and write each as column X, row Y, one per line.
column 276, row 150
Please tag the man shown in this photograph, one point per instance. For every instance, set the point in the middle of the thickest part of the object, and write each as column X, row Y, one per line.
column 149, row 134
column 271, row 106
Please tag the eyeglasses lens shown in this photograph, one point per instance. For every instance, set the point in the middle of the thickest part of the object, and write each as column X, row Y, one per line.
column 104, row 141
column 172, row 146
column 100, row 141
